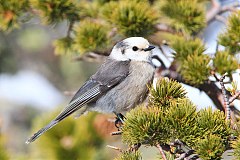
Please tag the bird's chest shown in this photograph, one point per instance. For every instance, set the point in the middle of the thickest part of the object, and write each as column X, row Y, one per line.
column 140, row 74
column 133, row 90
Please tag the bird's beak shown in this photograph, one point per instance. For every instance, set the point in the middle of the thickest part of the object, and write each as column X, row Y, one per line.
column 149, row 48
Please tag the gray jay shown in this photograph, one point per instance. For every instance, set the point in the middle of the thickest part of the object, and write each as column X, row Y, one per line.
column 118, row 85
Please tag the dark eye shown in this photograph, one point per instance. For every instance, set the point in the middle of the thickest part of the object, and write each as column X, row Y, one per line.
column 135, row 48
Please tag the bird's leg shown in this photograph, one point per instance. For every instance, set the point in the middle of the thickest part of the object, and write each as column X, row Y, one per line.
column 119, row 120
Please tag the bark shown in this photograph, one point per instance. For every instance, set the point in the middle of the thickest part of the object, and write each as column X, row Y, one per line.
column 216, row 10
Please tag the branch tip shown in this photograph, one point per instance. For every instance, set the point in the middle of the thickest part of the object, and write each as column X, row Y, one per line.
column 161, row 152
column 115, row 148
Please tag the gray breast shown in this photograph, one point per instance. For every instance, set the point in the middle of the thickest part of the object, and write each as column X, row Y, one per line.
column 129, row 93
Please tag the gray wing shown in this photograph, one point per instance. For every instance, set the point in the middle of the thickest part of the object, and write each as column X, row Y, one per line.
column 108, row 76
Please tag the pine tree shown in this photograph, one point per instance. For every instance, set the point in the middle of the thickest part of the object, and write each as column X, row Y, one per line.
column 171, row 121
column 172, row 116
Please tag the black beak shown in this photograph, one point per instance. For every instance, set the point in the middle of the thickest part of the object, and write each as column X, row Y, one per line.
column 149, row 48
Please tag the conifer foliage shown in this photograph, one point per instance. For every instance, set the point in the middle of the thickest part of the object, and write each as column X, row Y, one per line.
column 236, row 146
column 132, row 18
column 10, row 13
column 56, row 11
column 205, row 131
column 231, row 37
column 90, row 36
column 186, row 15
column 126, row 155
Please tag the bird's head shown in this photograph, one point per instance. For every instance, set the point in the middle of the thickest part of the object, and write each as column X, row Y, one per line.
column 133, row 48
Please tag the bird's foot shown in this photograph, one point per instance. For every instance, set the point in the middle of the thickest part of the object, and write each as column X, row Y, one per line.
column 119, row 120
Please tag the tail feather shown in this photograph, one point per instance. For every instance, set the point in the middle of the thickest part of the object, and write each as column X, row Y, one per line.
column 41, row 131
column 74, row 105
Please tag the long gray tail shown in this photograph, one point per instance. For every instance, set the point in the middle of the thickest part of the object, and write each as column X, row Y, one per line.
column 74, row 105
column 41, row 131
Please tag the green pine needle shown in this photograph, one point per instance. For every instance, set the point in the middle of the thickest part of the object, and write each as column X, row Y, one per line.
column 131, row 18
column 225, row 62
column 56, row 11
column 181, row 120
column 102, row 2
column 187, row 15
column 231, row 38
column 213, row 122
column 90, row 36
column 165, row 91
column 233, row 88
column 145, row 125
column 63, row 46
column 178, row 119
column 193, row 63
column 211, row 147
column 127, row 155
column 11, row 13
column 89, row 9
column 195, row 69
column 185, row 47
column 236, row 147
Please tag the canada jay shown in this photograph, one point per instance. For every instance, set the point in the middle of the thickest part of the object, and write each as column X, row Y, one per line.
column 118, row 85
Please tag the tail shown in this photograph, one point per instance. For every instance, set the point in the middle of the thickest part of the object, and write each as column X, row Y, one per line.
column 41, row 131
column 74, row 105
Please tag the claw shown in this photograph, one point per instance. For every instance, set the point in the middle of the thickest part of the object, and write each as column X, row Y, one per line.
column 119, row 120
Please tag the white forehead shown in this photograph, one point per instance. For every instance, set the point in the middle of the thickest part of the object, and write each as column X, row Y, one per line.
column 140, row 42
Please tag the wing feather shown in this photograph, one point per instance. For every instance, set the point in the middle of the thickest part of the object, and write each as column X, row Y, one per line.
column 79, row 102
column 101, row 82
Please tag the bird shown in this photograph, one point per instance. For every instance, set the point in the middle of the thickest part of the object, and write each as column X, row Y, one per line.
column 119, row 85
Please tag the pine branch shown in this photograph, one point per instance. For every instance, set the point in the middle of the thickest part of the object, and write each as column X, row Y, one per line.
column 70, row 28
column 135, row 147
column 232, row 7
column 217, row 47
column 116, row 133
column 217, row 9
column 115, row 148
column 170, row 74
column 91, row 57
column 221, row 19
column 131, row 151
column 113, row 32
column 164, row 28
column 234, row 97
column 161, row 151
column 185, row 151
column 225, row 97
